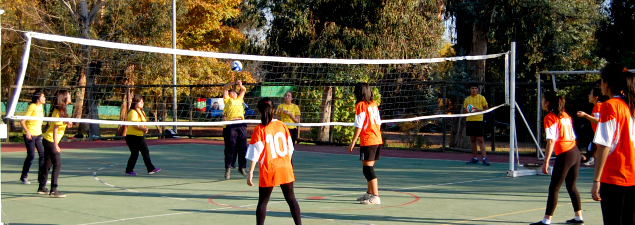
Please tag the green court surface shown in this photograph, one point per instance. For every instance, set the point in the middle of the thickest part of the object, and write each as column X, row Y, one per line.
column 191, row 189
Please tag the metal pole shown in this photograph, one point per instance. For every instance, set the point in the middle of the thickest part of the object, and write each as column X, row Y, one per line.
column 443, row 120
column 512, row 109
column 1, row 12
column 174, row 115
column 538, row 117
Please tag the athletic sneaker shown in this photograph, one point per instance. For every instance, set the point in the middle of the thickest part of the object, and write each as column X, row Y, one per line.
column 44, row 191
column 154, row 171
column 24, row 181
column 473, row 161
column 365, row 197
column 485, row 162
column 131, row 173
column 574, row 221
column 242, row 171
column 227, row 172
column 538, row 223
column 591, row 162
column 373, row 200
column 57, row 194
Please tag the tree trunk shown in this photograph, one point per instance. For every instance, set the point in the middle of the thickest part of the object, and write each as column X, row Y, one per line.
column 126, row 98
column 325, row 113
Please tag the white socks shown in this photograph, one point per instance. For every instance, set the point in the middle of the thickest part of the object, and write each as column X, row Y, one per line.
column 578, row 218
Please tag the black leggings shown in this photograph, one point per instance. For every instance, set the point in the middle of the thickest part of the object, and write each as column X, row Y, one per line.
column 138, row 144
column 31, row 146
column 618, row 204
column 564, row 170
column 53, row 160
column 289, row 196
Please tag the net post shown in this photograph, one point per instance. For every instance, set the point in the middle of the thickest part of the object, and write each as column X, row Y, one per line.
column 538, row 115
column 18, row 88
column 512, row 109
column 190, row 110
column 443, row 121
column 174, row 65
column 493, row 140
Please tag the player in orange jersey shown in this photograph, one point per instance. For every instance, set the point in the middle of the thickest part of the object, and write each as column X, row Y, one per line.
column 367, row 124
column 596, row 98
column 614, row 177
column 562, row 140
column 271, row 145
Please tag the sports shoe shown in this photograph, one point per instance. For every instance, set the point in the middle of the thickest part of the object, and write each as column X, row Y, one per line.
column 131, row 173
column 365, row 197
column 473, row 161
column 57, row 194
column 154, row 171
column 24, row 181
column 485, row 162
column 591, row 162
column 44, row 191
column 242, row 171
column 227, row 172
column 574, row 221
column 373, row 200
column 538, row 223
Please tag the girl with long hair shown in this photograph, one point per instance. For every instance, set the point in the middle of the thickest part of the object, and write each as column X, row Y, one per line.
column 614, row 177
column 135, row 138
column 367, row 128
column 272, row 147
column 32, row 133
column 51, row 141
column 562, row 140
column 289, row 113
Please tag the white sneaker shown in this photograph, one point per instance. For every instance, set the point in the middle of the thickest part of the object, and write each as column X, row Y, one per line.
column 365, row 197
column 373, row 200
column 591, row 162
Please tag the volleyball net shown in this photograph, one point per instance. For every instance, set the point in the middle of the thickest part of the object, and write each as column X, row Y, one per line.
column 416, row 96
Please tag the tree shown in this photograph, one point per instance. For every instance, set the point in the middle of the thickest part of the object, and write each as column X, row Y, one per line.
column 617, row 34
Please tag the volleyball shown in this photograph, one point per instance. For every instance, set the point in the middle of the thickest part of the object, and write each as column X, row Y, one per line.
column 470, row 108
column 236, row 66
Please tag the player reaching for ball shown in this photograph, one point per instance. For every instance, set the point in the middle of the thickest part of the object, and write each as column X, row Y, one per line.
column 474, row 124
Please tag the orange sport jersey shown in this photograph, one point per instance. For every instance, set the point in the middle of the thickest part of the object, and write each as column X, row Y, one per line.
column 615, row 130
column 596, row 114
column 272, row 148
column 367, row 118
column 561, row 130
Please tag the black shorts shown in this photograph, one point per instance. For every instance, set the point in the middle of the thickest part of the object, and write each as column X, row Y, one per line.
column 370, row 153
column 474, row 128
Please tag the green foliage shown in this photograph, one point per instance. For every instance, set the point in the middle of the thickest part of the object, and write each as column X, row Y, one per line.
column 617, row 34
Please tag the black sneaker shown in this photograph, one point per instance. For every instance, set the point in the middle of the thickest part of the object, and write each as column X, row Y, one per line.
column 574, row 221
column 44, row 191
column 57, row 194
column 538, row 223
column 242, row 171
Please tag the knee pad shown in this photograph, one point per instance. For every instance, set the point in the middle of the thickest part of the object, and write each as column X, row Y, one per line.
column 369, row 172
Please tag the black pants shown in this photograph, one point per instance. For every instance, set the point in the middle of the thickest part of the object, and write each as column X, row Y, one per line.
column 264, row 193
column 138, row 144
column 564, row 170
column 31, row 145
column 51, row 159
column 618, row 204
column 294, row 135
column 235, row 137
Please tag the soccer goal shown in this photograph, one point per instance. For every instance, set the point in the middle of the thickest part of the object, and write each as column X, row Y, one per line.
column 104, row 76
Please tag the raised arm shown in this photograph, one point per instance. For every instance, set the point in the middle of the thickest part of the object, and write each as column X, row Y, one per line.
column 242, row 89
column 226, row 89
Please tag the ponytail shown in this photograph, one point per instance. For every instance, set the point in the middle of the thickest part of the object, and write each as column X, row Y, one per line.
column 556, row 103
column 621, row 82
column 265, row 107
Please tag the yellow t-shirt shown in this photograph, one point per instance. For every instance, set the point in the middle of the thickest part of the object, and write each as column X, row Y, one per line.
column 233, row 108
column 293, row 108
column 133, row 116
column 478, row 102
column 48, row 135
column 34, row 126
